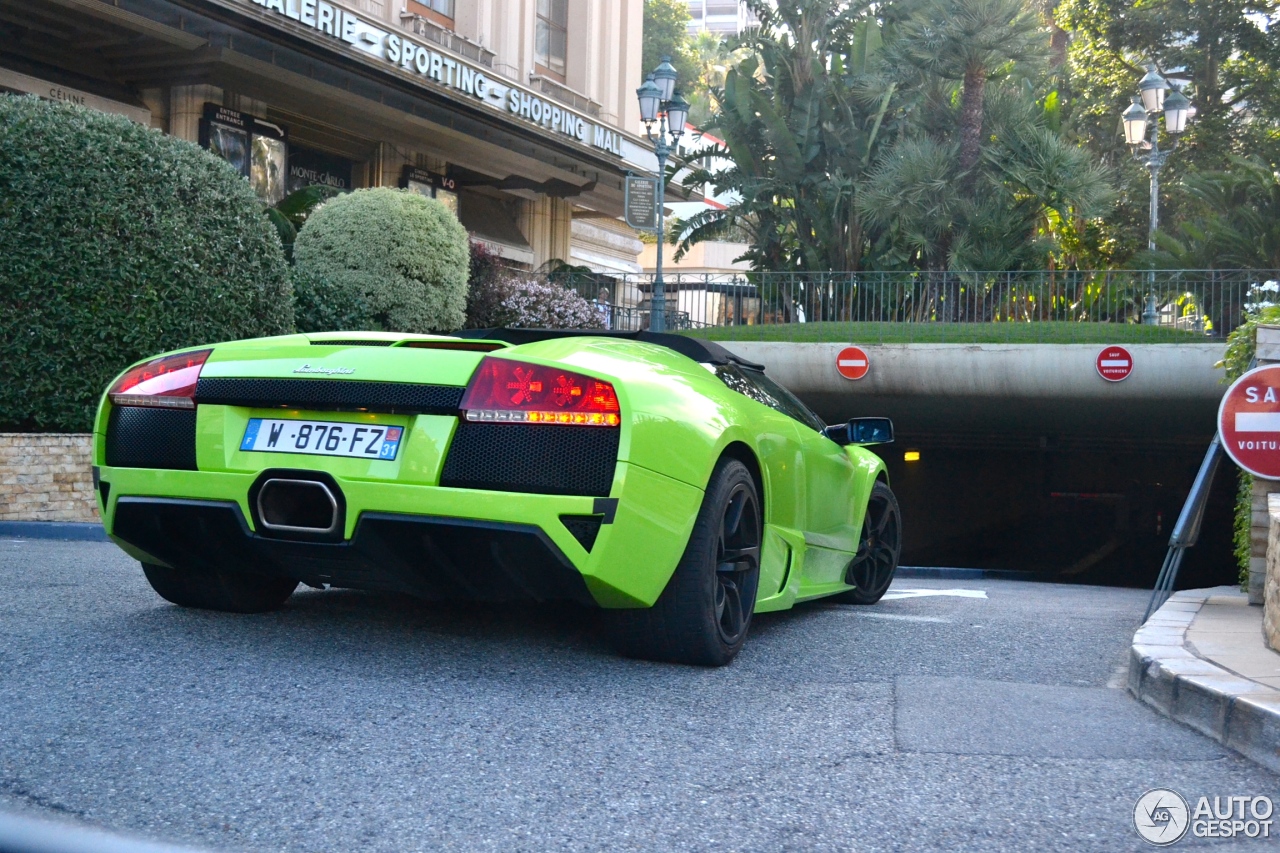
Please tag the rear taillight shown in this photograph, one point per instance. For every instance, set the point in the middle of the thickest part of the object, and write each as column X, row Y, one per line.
column 505, row 391
column 164, row 383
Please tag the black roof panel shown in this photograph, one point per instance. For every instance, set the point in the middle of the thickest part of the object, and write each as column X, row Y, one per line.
column 703, row 352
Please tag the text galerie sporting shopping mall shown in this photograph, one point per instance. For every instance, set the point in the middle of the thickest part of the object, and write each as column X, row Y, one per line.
column 515, row 113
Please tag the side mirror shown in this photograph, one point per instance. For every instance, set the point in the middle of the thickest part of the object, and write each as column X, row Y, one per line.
column 861, row 431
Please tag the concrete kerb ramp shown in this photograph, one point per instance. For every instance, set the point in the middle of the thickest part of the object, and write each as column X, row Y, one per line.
column 1030, row 389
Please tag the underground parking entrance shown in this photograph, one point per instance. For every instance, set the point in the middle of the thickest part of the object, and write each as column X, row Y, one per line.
column 1022, row 458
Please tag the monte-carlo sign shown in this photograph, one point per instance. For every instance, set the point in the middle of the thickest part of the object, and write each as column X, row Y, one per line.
column 442, row 70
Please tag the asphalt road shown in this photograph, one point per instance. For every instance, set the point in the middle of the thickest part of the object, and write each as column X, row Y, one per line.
column 358, row 722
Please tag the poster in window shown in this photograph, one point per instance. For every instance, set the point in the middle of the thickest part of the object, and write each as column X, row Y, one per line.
column 269, row 167
column 442, row 188
column 448, row 199
column 231, row 144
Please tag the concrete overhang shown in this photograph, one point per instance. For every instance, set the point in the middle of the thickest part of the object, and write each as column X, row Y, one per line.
column 1011, row 395
column 233, row 44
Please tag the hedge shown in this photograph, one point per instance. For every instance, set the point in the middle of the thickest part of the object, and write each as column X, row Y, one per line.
column 401, row 256
column 118, row 242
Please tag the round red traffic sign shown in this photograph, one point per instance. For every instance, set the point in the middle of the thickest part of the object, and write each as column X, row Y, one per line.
column 1114, row 364
column 853, row 363
column 1249, row 422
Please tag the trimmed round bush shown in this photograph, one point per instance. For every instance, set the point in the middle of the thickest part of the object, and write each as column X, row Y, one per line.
column 402, row 255
column 118, row 242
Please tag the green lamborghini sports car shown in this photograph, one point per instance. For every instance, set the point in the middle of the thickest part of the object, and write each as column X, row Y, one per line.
column 657, row 477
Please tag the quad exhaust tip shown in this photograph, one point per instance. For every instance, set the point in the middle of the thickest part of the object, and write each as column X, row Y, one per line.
column 298, row 506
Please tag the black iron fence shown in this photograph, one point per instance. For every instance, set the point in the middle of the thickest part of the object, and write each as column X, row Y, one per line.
column 886, row 304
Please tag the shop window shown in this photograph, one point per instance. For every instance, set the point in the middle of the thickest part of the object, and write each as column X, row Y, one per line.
column 258, row 149
column 440, row 187
column 551, row 37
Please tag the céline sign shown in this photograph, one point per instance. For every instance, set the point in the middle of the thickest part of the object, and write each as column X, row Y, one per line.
column 443, row 70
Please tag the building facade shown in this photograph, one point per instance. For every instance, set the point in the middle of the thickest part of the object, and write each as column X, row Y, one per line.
column 515, row 113
column 722, row 17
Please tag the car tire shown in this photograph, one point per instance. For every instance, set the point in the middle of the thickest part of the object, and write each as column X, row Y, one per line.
column 231, row 592
column 703, row 615
column 879, row 547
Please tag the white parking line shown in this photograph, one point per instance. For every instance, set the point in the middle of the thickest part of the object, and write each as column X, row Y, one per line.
column 922, row 593
column 901, row 617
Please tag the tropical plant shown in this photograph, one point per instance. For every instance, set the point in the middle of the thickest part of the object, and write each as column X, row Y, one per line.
column 118, row 242
column 892, row 136
column 402, row 255
column 802, row 118
column 1232, row 221
column 291, row 212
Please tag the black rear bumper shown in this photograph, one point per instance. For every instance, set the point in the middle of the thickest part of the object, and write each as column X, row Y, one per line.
column 430, row 557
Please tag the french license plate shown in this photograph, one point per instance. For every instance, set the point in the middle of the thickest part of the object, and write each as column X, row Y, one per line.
column 323, row 438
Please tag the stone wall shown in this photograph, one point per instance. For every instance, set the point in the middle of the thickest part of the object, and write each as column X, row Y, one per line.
column 1271, row 590
column 46, row 477
column 1260, row 535
column 1267, row 352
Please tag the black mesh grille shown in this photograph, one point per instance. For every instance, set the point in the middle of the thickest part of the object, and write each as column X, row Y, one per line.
column 151, row 438
column 585, row 528
column 351, row 343
column 547, row 460
column 331, row 395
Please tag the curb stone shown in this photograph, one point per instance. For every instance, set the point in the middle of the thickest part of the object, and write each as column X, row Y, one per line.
column 1166, row 675
column 77, row 531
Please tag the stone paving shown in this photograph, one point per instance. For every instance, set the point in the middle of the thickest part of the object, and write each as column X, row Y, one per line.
column 1227, row 631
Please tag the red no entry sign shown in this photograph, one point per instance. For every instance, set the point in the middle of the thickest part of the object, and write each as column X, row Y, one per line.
column 1114, row 364
column 853, row 363
column 1249, row 422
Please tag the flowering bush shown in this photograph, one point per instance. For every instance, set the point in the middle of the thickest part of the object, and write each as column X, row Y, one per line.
column 542, row 305
column 488, row 283
column 498, row 296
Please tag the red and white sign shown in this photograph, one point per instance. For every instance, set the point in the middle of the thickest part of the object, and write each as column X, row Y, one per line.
column 853, row 363
column 1114, row 364
column 1249, row 422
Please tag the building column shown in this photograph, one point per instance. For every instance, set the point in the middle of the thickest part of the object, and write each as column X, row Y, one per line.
column 547, row 224
column 186, row 108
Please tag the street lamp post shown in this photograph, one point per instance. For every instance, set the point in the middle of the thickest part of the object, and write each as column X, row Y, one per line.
column 1143, row 112
column 660, row 102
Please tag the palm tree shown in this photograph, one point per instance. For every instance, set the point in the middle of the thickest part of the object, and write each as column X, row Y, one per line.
column 968, row 41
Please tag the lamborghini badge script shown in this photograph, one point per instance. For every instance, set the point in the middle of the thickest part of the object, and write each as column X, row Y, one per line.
column 327, row 371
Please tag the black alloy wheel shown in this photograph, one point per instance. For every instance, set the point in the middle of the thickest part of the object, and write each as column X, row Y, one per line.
column 703, row 615
column 737, row 563
column 879, row 548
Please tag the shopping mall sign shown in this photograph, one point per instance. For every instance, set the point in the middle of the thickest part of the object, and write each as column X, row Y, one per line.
column 444, row 71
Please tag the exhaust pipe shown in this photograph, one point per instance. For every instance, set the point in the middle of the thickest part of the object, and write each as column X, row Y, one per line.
column 287, row 505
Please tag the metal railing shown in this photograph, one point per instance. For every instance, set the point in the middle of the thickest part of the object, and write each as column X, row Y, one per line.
column 936, row 305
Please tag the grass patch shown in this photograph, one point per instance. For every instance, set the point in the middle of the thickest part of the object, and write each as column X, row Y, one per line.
column 1048, row 332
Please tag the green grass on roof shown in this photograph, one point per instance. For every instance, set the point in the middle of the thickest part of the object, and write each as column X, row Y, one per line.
column 1047, row 332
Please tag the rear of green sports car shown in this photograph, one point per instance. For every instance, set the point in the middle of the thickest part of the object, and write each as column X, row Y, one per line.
column 440, row 467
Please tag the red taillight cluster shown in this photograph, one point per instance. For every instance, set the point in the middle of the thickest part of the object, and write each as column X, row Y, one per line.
column 505, row 391
column 168, row 382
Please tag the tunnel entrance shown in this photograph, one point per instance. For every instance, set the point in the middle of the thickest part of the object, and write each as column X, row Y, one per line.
column 1029, row 460
column 1071, row 514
